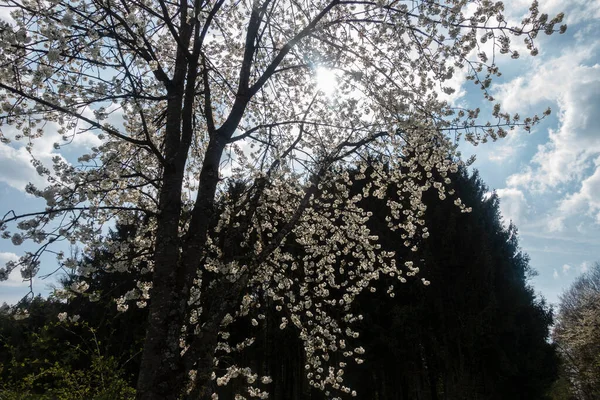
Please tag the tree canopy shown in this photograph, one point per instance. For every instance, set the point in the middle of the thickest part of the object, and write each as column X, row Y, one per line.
column 186, row 95
column 576, row 334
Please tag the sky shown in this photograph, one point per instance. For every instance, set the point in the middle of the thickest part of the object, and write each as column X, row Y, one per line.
column 548, row 180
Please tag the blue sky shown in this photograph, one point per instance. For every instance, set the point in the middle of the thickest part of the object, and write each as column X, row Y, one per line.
column 548, row 180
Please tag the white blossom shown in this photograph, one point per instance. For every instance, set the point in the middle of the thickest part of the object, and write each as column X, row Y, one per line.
column 21, row 314
column 181, row 120
column 17, row 239
column 80, row 287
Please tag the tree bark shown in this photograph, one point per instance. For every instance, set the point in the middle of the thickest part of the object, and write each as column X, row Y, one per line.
column 160, row 356
column 162, row 371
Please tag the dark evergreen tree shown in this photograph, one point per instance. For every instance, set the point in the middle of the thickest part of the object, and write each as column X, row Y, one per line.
column 477, row 331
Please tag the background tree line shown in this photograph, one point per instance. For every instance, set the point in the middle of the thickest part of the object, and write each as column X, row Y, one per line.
column 477, row 331
column 577, row 336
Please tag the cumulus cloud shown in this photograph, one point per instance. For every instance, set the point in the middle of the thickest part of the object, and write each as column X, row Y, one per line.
column 14, row 280
column 584, row 267
column 16, row 169
column 569, row 149
column 567, row 166
column 556, row 223
column 5, row 14
column 555, row 274
column 508, row 148
column 566, row 268
column 513, row 204
column 587, row 199
column 576, row 11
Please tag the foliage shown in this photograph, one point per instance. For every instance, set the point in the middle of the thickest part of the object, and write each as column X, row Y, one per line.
column 73, row 346
column 561, row 389
column 181, row 96
column 48, row 358
column 576, row 334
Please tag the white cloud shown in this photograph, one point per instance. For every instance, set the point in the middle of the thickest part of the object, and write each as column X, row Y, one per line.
column 457, row 82
column 13, row 289
column 574, row 85
column 520, row 179
column 584, row 267
column 15, row 160
column 5, row 14
column 508, row 148
column 576, row 90
column 14, row 279
column 576, row 11
column 556, row 223
column 587, row 199
column 566, row 168
column 16, row 169
column 547, row 78
column 566, row 268
column 503, row 153
column 513, row 205
column 555, row 274
column 4, row 257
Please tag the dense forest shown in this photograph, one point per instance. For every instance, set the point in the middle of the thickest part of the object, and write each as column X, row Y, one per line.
column 467, row 326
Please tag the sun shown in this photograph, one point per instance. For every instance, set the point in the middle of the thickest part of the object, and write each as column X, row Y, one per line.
column 326, row 80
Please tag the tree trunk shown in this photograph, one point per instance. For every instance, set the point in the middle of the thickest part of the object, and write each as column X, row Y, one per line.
column 162, row 370
column 160, row 365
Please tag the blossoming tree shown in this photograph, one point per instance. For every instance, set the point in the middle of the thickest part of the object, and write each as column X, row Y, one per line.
column 185, row 95
column 576, row 334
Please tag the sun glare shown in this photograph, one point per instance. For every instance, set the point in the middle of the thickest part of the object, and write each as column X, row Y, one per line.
column 326, row 80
